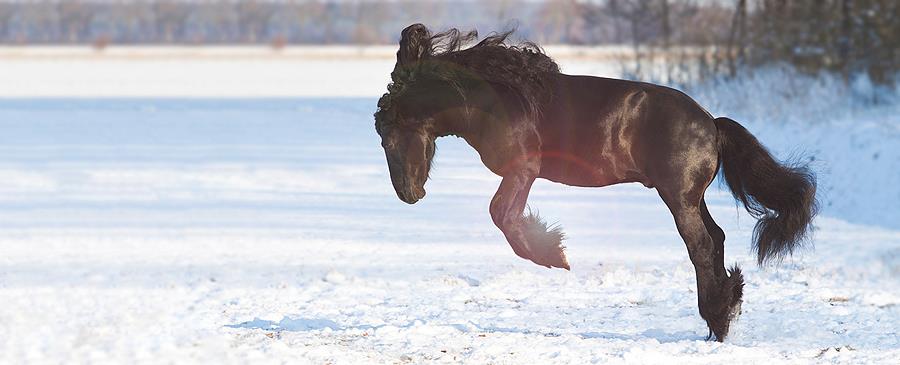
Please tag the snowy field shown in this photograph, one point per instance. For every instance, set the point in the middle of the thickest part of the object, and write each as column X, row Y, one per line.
column 240, row 230
column 243, row 72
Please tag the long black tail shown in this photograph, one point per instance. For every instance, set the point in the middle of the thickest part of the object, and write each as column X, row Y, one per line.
column 781, row 196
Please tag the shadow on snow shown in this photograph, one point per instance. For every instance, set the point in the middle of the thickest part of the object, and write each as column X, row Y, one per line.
column 315, row 324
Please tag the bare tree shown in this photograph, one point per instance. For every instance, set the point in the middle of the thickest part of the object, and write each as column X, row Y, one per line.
column 563, row 20
column 736, row 36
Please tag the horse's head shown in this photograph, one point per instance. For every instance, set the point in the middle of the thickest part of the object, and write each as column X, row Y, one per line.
column 403, row 120
column 408, row 144
column 425, row 100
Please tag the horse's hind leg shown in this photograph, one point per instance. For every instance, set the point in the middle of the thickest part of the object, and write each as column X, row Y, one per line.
column 717, row 294
column 718, row 237
column 735, row 280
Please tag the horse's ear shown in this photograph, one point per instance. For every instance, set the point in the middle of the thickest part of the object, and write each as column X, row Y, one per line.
column 415, row 44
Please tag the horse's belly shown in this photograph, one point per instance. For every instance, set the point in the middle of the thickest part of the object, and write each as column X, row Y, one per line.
column 570, row 170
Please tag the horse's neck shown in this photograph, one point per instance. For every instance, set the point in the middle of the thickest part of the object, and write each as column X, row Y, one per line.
column 483, row 123
column 483, row 113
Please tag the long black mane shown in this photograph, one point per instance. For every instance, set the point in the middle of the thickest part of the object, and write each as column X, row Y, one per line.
column 522, row 69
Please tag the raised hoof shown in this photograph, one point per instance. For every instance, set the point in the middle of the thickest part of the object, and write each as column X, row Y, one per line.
column 559, row 261
column 545, row 242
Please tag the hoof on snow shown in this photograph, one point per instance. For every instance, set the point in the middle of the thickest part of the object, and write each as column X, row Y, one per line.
column 725, row 307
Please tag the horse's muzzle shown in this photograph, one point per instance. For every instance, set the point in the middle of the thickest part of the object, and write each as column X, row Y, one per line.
column 411, row 196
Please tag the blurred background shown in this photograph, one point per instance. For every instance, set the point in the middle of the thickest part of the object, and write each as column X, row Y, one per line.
column 842, row 36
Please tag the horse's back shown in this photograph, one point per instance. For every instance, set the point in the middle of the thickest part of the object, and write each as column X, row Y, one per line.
column 601, row 131
column 588, row 97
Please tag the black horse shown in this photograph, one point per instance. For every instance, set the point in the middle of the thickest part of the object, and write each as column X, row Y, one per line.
column 527, row 121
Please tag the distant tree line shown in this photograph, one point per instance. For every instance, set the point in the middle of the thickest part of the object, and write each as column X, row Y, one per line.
column 849, row 37
column 266, row 22
column 340, row 22
column 845, row 36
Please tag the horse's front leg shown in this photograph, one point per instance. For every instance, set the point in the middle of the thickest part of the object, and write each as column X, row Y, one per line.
column 529, row 236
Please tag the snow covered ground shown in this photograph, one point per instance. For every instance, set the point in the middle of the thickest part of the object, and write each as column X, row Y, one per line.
column 239, row 230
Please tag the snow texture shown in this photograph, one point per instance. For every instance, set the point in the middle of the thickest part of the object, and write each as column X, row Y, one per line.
column 215, row 230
